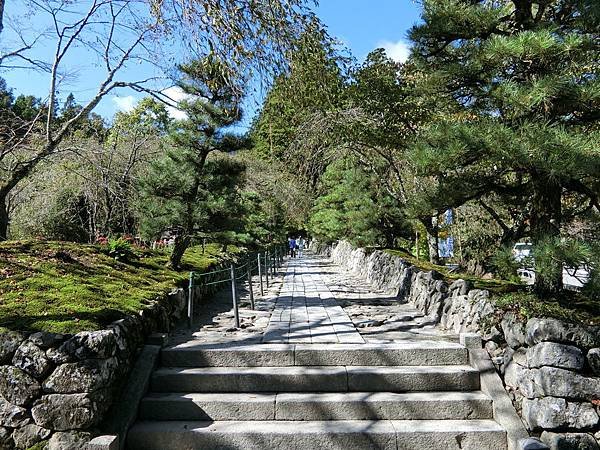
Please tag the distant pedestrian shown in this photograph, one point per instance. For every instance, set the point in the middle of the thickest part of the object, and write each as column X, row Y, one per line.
column 301, row 245
column 292, row 244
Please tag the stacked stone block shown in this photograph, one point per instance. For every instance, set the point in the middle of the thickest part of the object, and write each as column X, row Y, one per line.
column 58, row 387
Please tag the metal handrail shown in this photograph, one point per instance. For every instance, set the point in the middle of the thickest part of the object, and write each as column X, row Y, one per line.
column 216, row 282
column 200, row 274
column 271, row 259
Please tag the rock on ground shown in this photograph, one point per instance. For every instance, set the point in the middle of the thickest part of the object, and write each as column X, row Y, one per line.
column 569, row 441
column 29, row 435
column 18, row 387
column 9, row 342
column 70, row 411
column 593, row 358
column 85, row 376
column 556, row 355
column 6, row 442
column 554, row 330
column 12, row 415
column 73, row 440
column 32, row 359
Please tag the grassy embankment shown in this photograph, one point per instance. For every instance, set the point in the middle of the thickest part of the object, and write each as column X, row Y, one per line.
column 66, row 288
column 510, row 296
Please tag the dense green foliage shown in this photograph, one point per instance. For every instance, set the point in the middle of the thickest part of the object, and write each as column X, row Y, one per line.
column 66, row 287
column 522, row 78
column 313, row 85
column 184, row 191
column 354, row 206
column 494, row 116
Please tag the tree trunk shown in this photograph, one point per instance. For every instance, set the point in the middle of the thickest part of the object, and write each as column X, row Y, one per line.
column 182, row 242
column 3, row 219
column 431, row 226
column 1, row 15
column 545, row 223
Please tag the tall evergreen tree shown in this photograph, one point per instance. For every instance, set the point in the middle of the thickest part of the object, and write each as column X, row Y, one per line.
column 313, row 84
column 356, row 207
column 523, row 77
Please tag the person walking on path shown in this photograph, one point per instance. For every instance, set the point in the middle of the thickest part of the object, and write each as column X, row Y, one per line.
column 301, row 244
column 292, row 244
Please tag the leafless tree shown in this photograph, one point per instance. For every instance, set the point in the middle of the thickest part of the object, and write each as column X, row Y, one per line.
column 115, row 35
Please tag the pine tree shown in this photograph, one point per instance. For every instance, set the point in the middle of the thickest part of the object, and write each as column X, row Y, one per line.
column 523, row 78
column 354, row 206
column 186, row 191
column 387, row 109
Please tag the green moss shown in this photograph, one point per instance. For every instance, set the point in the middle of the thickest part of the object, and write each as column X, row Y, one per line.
column 39, row 446
column 570, row 307
column 65, row 287
column 492, row 285
column 510, row 296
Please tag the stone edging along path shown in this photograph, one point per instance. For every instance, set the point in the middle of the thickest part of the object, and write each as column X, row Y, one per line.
column 551, row 369
column 58, row 387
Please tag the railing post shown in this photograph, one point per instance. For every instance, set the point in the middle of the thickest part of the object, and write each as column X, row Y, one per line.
column 236, row 313
column 250, row 283
column 260, row 275
column 267, row 268
column 190, row 305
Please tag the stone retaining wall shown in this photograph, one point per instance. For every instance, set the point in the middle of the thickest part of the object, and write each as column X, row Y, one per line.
column 57, row 388
column 551, row 369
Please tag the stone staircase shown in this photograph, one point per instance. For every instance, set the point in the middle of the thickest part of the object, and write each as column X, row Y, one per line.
column 410, row 395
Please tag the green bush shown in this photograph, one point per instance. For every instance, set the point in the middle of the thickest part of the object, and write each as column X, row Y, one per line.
column 553, row 254
column 120, row 249
column 505, row 265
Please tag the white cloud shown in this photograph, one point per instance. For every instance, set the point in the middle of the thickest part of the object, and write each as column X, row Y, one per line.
column 398, row 51
column 125, row 104
column 176, row 94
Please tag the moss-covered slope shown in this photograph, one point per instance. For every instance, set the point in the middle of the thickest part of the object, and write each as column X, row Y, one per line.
column 65, row 287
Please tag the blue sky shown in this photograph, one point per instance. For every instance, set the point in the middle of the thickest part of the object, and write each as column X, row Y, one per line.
column 360, row 25
column 363, row 25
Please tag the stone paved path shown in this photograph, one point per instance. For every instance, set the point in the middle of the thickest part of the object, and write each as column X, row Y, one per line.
column 379, row 316
column 306, row 310
column 311, row 301
column 323, row 362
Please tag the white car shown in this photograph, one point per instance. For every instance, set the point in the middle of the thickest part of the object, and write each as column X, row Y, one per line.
column 527, row 276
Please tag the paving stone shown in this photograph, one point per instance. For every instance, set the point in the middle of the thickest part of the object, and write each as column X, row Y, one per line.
column 350, row 435
column 383, row 406
column 250, row 379
column 418, row 378
column 312, row 305
column 208, row 406
column 351, row 390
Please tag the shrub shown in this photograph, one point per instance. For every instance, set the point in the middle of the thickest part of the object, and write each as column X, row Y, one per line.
column 120, row 249
column 505, row 265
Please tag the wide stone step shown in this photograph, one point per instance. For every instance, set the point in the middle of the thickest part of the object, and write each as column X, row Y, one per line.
column 331, row 435
column 316, row 379
column 317, row 406
column 423, row 353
